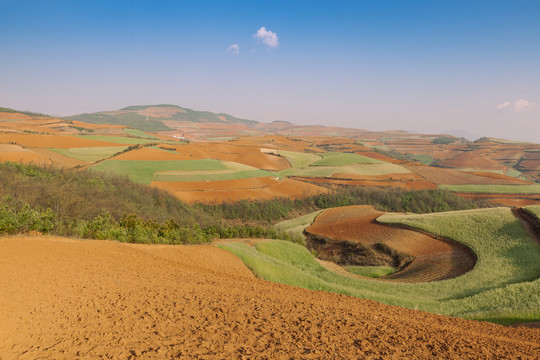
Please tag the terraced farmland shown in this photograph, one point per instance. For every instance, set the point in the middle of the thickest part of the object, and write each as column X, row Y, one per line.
column 503, row 287
column 143, row 171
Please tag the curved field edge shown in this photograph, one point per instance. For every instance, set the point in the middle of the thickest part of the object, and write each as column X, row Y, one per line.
column 504, row 287
column 493, row 189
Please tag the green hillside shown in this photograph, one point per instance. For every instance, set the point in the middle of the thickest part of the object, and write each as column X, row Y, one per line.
column 131, row 116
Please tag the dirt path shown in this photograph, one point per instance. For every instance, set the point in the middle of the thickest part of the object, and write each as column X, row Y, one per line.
column 62, row 298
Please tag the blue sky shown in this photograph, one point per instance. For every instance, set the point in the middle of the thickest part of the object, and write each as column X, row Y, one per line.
column 427, row 66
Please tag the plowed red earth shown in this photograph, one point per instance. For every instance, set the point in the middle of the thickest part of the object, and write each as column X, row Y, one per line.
column 264, row 188
column 434, row 259
column 72, row 299
column 402, row 184
column 453, row 177
column 513, row 200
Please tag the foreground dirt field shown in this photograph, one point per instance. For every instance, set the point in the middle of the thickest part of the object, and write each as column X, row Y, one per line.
column 71, row 299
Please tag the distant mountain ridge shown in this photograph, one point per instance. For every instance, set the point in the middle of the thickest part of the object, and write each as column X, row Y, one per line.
column 152, row 117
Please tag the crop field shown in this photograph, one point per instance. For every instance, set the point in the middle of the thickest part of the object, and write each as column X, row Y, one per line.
column 299, row 160
column 338, row 159
column 90, row 154
column 260, row 188
column 494, row 189
column 295, row 227
column 140, row 134
column 218, row 175
column 118, row 139
column 504, row 286
column 360, row 169
column 143, row 171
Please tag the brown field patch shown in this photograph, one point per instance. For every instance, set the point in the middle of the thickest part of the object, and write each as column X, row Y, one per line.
column 433, row 259
column 26, row 157
column 453, row 177
column 471, row 160
column 498, row 176
column 90, row 299
column 390, row 182
column 246, row 155
column 265, row 188
column 512, row 200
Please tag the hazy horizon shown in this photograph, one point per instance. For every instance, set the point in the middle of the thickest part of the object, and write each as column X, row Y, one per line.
column 422, row 66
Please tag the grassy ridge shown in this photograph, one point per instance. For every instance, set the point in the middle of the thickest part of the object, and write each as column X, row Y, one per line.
column 295, row 227
column 503, row 287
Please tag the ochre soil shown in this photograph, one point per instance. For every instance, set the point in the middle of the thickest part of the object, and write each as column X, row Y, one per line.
column 402, row 184
column 433, row 259
column 513, row 200
column 261, row 188
column 71, row 299
column 453, row 177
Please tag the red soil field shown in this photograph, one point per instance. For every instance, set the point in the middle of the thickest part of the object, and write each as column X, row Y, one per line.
column 24, row 156
column 452, row 177
column 52, row 141
column 498, row 176
column 514, row 200
column 471, row 160
column 239, row 184
column 403, row 184
column 233, row 190
column 72, row 299
column 433, row 259
column 251, row 156
column 38, row 156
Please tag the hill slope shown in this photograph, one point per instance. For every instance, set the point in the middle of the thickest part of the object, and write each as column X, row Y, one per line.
column 152, row 117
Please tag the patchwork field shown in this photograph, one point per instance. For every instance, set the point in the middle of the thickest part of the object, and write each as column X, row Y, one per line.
column 432, row 259
column 503, row 286
column 86, row 299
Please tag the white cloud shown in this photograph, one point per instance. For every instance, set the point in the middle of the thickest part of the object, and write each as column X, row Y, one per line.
column 522, row 105
column 234, row 49
column 503, row 105
column 267, row 37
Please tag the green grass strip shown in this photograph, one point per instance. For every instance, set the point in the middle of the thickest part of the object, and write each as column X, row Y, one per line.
column 90, row 154
column 371, row 271
column 143, row 171
column 339, row 159
column 140, row 134
column 299, row 160
column 213, row 177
